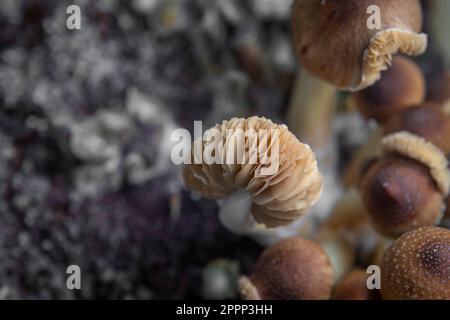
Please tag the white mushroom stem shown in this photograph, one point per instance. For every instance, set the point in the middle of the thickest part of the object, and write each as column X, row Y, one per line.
column 234, row 214
column 440, row 24
column 311, row 110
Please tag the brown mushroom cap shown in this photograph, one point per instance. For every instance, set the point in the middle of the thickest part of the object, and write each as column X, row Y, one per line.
column 354, row 287
column 427, row 121
column 400, row 87
column 439, row 90
column 328, row 46
column 293, row 269
column 416, row 266
column 400, row 194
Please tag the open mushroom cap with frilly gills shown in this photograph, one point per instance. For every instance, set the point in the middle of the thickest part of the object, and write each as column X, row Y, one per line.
column 402, row 86
column 417, row 266
column 293, row 269
column 333, row 41
column 407, row 187
column 278, row 197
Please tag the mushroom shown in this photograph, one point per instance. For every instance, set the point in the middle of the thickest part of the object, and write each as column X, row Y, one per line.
column 405, row 189
column 400, row 87
column 354, row 287
column 328, row 47
column 416, row 266
column 427, row 121
column 400, row 194
column 293, row 269
column 281, row 190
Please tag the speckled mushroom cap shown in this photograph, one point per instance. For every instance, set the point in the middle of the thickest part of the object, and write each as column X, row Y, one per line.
column 279, row 197
column 333, row 41
column 417, row 266
column 293, row 269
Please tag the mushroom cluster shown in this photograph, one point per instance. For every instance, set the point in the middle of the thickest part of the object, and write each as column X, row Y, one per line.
column 406, row 187
column 402, row 193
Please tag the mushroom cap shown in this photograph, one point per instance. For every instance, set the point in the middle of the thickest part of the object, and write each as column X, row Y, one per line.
column 279, row 197
column 419, row 149
column 416, row 266
column 439, row 90
column 400, row 194
column 427, row 121
column 293, row 269
column 400, row 87
column 328, row 46
column 354, row 287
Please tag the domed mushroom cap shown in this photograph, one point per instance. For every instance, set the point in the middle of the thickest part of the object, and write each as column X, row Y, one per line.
column 426, row 121
column 333, row 41
column 293, row 269
column 417, row 266
column 400, row 194
column 282, row 189
column 400, row 87
column 354, row 287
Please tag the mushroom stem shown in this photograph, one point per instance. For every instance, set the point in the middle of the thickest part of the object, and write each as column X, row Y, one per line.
column 311, row 110
column 440, row 24
column 235, row 215
column 310, row 118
